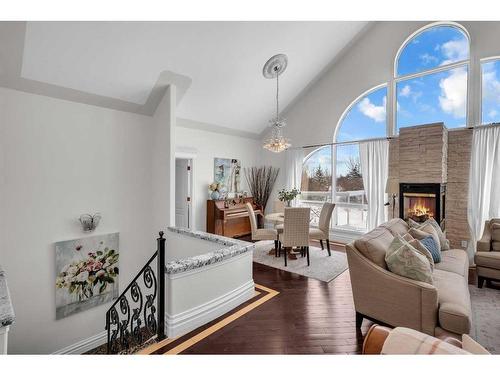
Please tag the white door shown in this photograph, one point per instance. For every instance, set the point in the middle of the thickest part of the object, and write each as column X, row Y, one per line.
column 182, row 193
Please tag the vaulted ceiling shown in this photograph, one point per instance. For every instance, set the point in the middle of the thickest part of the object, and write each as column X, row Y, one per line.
column 216, row 65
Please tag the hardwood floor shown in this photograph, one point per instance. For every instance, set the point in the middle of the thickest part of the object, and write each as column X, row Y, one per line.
column 306, row 317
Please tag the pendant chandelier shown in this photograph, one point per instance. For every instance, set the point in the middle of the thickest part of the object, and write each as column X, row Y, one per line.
column 276, row 142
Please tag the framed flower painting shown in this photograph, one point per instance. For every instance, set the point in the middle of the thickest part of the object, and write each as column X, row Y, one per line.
column 86, row 273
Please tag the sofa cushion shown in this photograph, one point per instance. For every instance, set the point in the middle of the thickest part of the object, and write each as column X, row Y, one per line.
column 404, row 260
column 396, row 226
column 454, row 301
column 456, row 261
column 489, row 259
column 374, row 244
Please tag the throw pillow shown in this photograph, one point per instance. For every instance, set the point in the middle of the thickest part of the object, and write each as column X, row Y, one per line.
column 444, row 244
column 408, row 237
column 425, row 231
column 413, row 224
column 432, row 247
column 422, row 249
column 404, row 260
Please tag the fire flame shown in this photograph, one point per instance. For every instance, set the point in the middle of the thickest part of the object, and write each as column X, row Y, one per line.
column 420, row 209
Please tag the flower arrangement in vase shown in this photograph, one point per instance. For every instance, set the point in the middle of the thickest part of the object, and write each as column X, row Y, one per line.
column 217, row 190
column 288, row 196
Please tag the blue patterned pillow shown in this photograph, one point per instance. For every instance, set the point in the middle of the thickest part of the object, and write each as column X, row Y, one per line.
column 433, row 248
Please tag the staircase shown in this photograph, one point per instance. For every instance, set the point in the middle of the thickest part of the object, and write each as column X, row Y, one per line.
column 138, row 315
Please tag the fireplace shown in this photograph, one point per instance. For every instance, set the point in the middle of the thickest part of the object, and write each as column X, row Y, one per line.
column 420, row 202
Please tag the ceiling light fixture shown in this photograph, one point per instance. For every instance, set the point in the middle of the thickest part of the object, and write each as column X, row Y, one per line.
column 276, row 142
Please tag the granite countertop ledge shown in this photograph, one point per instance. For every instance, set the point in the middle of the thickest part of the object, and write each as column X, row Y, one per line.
column 7, row 316
column 233, row 248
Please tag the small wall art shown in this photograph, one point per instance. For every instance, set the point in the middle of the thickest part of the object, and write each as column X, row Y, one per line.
column 228, row 172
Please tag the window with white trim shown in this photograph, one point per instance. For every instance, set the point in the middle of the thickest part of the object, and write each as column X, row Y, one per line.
column 490, row 83
column 431, row 75
column 364, row 119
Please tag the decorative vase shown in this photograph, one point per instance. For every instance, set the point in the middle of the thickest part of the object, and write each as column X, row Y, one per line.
column 215, row 195
column 289, row 203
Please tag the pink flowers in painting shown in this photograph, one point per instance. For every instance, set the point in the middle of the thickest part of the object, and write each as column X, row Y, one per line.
column 83, row 278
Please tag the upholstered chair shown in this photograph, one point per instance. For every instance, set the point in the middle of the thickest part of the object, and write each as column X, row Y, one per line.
column 261, row 234
column 295, row 231
column 487, row 257
column 322, row 232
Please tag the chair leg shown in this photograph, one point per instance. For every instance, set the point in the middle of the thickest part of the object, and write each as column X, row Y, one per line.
column 275, row 248
column 480, row 281
column 307, row 250
column 328, row 247
column 279, row 249
column 321, row 243
column 285, row 255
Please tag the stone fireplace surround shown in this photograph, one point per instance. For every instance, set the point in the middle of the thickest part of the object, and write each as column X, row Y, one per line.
column 433, row 154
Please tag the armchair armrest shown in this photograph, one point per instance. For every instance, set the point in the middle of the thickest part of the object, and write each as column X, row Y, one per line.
column 390, row 298
column 484, row 244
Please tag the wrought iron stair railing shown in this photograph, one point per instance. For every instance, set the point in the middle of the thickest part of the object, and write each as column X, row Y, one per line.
column 143, row 298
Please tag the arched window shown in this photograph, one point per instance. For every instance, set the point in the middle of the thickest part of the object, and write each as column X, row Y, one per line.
column 365, row 118
column 431, row 73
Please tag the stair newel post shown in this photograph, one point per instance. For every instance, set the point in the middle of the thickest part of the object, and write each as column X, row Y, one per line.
column 161, row 286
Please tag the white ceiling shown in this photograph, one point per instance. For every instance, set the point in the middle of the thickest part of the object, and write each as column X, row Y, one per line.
column 123, row 60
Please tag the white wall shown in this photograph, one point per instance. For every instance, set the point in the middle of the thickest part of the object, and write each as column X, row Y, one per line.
column 370, row 62
column 208, row 145
column 58, row 160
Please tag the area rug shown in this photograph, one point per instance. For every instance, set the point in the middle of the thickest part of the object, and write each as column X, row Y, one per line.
column 323, row 267
column 486, row 317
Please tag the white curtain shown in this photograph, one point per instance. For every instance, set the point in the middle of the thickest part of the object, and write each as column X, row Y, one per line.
column 484, row 180
column 293, row 169
column 374, row 158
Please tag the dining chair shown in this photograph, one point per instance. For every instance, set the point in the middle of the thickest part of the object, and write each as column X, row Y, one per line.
column 295, row 231
column 264, row 233
column 279, row 206
column 322, row 232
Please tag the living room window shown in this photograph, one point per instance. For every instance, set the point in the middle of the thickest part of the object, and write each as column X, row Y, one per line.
column 490, row 84
column 431, row 76
column 364, row 119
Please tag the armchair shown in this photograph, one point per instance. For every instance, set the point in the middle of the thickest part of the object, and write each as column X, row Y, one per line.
column 487, row 257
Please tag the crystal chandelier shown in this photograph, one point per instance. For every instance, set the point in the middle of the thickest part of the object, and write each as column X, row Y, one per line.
column 276, row 142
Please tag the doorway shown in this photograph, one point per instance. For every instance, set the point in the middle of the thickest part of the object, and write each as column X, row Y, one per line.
column 183, row 193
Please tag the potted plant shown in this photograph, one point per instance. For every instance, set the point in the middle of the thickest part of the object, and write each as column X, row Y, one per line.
column 288, row 196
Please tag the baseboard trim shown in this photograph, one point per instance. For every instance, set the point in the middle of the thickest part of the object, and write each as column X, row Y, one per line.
column 187, row 321
column 85, row 345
